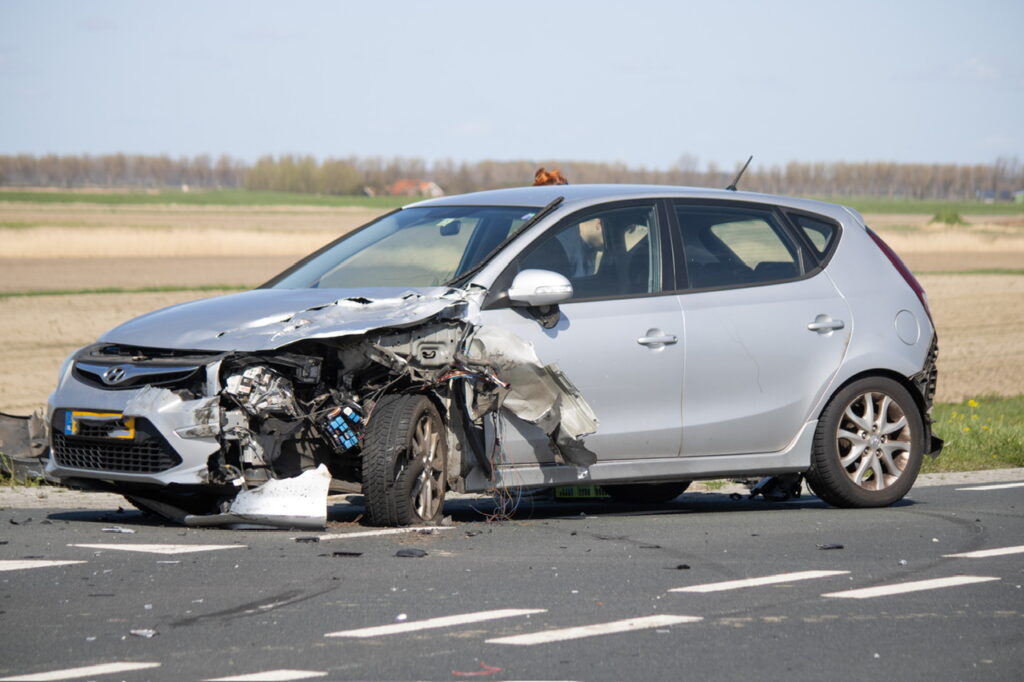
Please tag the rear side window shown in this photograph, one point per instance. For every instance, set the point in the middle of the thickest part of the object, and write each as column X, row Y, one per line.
column 820, row 233
column 726, row 246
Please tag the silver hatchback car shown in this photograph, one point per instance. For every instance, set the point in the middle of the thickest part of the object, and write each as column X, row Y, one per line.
column 633, row 337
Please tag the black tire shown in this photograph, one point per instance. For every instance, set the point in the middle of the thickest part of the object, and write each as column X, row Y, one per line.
column 868, row 445
column 404, row 462
column 646, row 493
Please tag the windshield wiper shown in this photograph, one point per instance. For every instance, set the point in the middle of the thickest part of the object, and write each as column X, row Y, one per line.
column 537, row 217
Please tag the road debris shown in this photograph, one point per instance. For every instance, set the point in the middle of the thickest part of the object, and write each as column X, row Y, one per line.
column 484, row 670
column 144, row 632
column 831, row 545
column 118, row 529
column 410, row 552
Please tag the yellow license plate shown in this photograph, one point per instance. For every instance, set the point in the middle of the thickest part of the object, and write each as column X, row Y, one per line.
column 98, row 425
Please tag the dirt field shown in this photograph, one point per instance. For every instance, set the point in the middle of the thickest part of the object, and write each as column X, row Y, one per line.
column 42, row 247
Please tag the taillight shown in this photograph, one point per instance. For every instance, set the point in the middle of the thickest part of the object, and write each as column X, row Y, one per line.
column 902, row 268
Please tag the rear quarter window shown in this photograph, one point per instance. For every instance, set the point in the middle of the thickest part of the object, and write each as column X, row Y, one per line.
column 820, row 233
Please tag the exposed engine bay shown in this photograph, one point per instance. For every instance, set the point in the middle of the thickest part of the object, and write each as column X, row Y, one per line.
column 306, row 407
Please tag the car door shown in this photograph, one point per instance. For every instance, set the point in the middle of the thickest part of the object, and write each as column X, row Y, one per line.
column 617, row 338
column 765, row 328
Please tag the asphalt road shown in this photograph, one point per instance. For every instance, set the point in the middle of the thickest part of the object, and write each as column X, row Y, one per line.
column 564, row 591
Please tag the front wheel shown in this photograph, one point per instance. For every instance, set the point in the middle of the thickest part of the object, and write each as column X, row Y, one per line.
column 868, row 445
column 404, row 462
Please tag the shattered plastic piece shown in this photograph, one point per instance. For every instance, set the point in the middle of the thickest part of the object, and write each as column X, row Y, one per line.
column 299, row 502
column 24, row 447
column 117, row 529
column 146, row 632
column 410, row 552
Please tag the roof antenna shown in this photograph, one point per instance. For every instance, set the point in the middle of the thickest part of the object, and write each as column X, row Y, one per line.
column 732, row 185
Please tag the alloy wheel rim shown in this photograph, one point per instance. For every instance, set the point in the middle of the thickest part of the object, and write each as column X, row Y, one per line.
column 873, row 441
column 428, row 490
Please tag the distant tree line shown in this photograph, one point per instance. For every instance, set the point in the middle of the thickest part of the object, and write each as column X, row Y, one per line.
column 356, row 175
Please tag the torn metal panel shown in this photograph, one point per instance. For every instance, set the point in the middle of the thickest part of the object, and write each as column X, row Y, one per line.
column 537, row 393
column 297, row 502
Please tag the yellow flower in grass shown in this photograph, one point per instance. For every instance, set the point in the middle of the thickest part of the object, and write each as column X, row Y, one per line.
column 966, row 429
column 972, row 403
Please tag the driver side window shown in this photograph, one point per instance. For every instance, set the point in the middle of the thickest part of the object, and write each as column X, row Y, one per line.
column 614, row 252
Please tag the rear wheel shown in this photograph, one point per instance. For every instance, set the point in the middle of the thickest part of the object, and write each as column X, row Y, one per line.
column 868, row 446
column 404, row 462
column 646, row 493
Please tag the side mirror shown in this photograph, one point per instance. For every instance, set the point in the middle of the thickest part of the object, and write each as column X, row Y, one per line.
column 539, row 288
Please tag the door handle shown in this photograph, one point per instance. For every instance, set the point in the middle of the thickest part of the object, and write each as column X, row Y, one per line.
column 823, row 324
column 655, row 338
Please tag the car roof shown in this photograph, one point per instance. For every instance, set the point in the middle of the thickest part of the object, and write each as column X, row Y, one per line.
column 577, row 196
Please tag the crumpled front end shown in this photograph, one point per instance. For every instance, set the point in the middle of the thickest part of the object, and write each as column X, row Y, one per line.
column 296, row 397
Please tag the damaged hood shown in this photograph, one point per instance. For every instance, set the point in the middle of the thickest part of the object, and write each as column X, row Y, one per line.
column 266, row 319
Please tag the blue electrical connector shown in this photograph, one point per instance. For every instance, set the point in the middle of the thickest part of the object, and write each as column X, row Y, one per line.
column 339, row 427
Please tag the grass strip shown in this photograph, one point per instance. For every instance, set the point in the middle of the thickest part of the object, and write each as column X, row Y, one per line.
column 980, row 271
column 931, row 207
column 980, row 433
column 123, row 290
column 219, row 197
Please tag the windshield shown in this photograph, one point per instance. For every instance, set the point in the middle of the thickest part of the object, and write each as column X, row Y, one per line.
column 414, row 247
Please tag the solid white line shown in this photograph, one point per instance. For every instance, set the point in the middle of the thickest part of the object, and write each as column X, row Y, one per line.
column 916, row 586
column 282, row 675
column 997, row 486
column 384, row 531
column 582, row 631
column 18, row 564
column 161, row 549
column 442, row 622
column 75, row 673
column 755, row 582
column 985, row 553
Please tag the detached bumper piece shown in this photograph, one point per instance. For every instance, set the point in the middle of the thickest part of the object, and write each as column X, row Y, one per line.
column 298, row 502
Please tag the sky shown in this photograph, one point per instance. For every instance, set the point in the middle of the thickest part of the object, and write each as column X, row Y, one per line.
column 648, row 84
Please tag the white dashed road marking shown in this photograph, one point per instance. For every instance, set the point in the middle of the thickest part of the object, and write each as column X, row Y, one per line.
column 161, row 549
column 563, row 634
column 985, row 553
column 997, row 486
column 756, row 582
column 282, row 675
column 383, row 531
column 18, row 564
column 76, row 673
column 916, row 586
column 430, row 623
